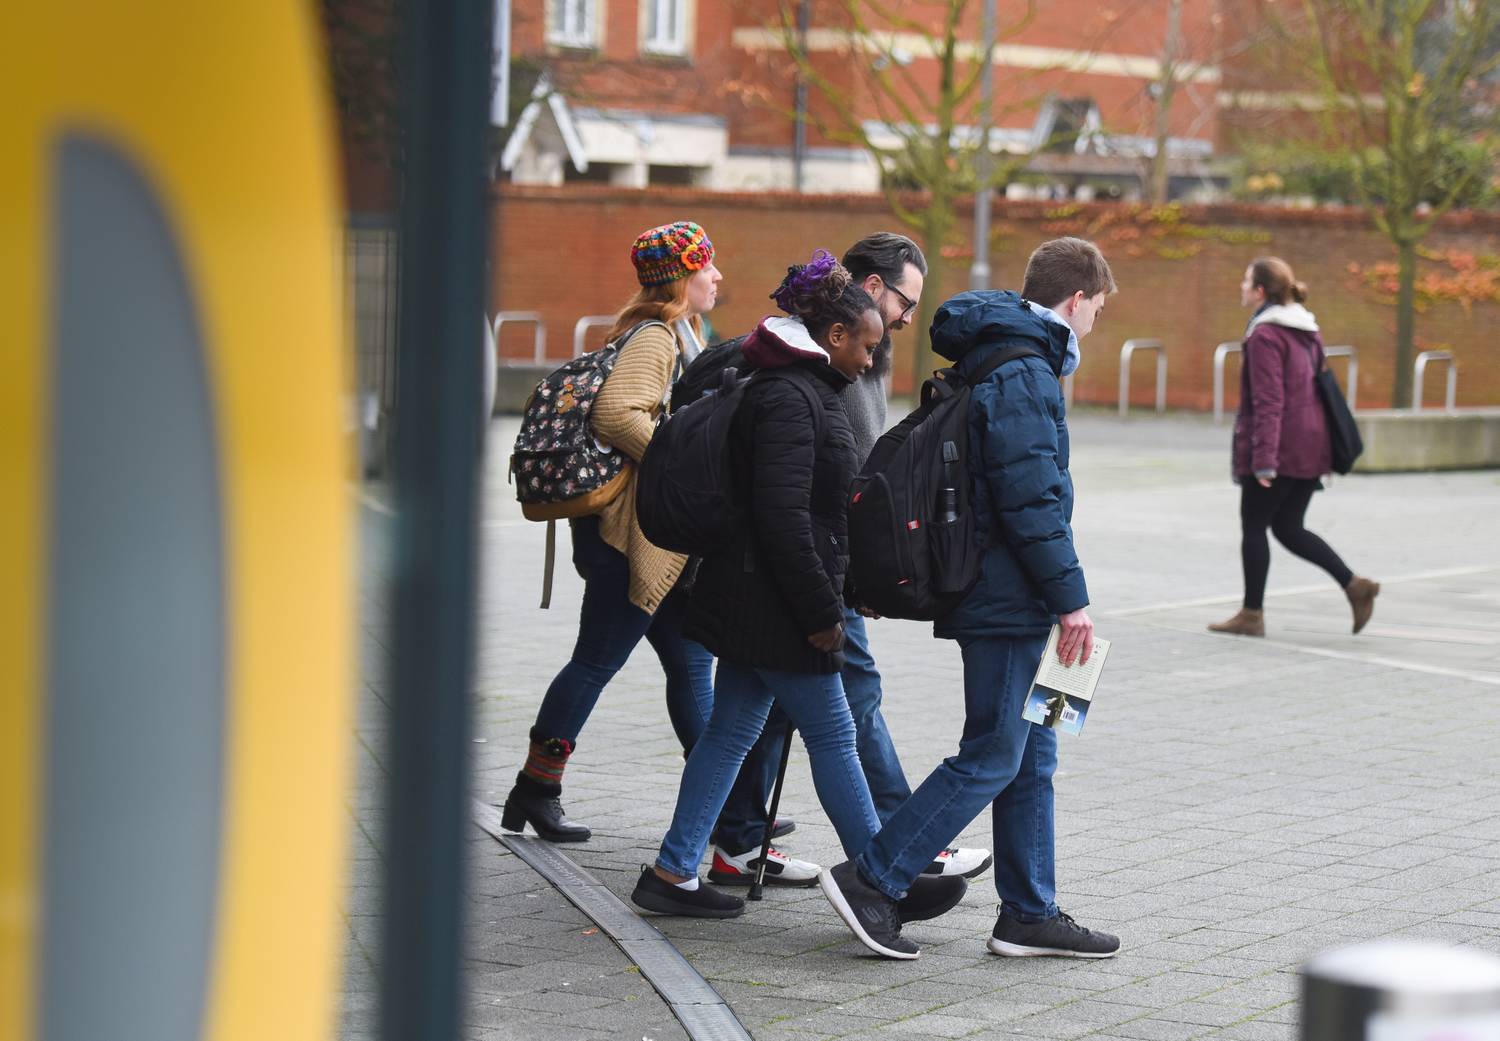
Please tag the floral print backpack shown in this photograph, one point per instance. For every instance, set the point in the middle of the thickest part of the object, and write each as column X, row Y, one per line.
column 561, row 470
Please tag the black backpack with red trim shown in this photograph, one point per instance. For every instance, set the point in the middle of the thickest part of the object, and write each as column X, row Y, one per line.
column 912, row 551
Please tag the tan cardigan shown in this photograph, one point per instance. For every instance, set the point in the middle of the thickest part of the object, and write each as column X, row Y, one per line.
column 624, row 415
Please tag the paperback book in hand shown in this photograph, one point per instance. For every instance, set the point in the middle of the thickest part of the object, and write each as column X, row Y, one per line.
column 1061, row 694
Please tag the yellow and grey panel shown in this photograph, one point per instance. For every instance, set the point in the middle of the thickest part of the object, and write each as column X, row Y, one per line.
column 175, row 608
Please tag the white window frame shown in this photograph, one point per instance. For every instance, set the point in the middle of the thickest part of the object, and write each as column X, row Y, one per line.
column 676, row 15
column 573, row 23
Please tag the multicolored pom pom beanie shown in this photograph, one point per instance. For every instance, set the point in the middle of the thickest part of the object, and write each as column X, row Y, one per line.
column 672, row 251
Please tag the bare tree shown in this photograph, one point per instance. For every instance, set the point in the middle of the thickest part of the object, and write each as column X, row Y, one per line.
column 1407, row 92
column 920, row 134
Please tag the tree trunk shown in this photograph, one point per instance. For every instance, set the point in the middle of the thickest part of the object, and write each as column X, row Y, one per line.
column 1406, row 280
column 934, row 234
column 923, row 360
column 1166, row 86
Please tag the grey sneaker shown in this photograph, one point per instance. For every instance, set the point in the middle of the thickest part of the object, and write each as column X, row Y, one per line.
column 867, row 911
column 1059, row 937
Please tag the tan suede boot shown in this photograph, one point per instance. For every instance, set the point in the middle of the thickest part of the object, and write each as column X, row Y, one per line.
column 1250, row 621
column 1362, row 593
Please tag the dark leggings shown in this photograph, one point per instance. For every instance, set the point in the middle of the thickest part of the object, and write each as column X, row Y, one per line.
column 1280, row 507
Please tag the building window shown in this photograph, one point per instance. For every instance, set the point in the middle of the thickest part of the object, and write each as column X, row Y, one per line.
column 572, row 23
column 665, row 27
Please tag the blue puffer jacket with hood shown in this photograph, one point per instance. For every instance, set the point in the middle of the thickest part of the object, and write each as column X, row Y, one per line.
column 1018, row 462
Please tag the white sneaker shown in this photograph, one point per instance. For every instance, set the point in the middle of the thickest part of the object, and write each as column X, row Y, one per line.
column 781, row 870
column 956, row 861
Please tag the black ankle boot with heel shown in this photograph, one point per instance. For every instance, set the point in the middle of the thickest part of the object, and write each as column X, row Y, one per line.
column 537, row 797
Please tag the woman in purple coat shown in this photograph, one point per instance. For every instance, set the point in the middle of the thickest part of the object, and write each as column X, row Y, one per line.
column 1281, row 447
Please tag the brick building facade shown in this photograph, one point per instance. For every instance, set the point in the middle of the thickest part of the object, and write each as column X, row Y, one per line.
column 693, row 92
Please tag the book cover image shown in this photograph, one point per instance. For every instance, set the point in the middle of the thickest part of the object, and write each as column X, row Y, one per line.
column 1070, row 711
column 1061, row 694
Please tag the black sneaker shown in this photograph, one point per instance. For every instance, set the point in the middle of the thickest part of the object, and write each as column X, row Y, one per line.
column 929, row 897
column 783, row 827
column 867, row 911
column 656, row 894
column 1059, row 936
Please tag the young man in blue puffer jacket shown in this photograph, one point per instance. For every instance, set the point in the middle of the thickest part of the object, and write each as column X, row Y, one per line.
column 1030, row 579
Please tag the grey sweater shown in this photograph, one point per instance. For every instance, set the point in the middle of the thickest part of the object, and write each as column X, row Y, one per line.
column 864, row 401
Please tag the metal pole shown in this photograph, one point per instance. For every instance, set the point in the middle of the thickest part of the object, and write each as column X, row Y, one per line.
column 799, row 124
column 979, row 271
column 445, row 107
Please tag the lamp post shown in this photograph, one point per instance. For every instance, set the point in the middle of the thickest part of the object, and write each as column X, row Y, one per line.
column 979, row 271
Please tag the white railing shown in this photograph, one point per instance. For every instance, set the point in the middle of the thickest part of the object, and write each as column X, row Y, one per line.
column 1351, row 383
column 539, row 349
column 1228, row 347
column 1221, row 355
column 583, row 325
column 1068, row 393
column 1450, row 399
column 1126, row 352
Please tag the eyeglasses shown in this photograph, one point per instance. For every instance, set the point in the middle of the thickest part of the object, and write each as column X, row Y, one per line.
column 911, row 305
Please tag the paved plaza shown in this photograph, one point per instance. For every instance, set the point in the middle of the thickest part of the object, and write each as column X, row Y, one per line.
column 1232, row 807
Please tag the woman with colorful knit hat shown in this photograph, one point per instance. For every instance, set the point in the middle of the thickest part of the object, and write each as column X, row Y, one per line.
column 630, row 586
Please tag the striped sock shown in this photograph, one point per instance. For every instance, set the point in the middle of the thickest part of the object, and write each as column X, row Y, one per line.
column 545, row 760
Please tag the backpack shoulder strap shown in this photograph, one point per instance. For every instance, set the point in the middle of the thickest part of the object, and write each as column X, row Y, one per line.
column 1009, row 352
column 629, row 334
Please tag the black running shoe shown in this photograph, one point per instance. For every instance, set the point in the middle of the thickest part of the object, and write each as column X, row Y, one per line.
column 1059, row 937
column 783, row 827
column 867, row 911
column 656, row 894
column 929, row 897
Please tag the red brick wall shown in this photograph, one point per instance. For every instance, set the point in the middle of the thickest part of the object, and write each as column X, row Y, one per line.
column 565, row 252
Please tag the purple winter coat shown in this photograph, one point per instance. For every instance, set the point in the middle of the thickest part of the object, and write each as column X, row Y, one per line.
column 1281, row 425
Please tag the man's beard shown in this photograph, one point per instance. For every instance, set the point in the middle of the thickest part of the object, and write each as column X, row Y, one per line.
column 880, row 362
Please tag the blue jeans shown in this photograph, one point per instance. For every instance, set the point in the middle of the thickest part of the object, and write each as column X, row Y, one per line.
column 1002, row 760
column 742, row 700
column 888, row 787
column 742, row 825
column 609, row 628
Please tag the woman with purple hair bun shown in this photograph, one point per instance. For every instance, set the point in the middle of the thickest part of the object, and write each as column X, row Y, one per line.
column 769, row 604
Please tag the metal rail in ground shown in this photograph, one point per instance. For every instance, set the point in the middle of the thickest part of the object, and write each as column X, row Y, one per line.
column 700, row 1009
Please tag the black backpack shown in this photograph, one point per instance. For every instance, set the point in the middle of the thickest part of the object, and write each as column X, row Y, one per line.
column 912, row 551
column 706, row 371
column 686, row 494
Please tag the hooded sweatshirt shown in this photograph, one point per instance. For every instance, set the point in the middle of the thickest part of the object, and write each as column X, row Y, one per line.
column 1281, row 428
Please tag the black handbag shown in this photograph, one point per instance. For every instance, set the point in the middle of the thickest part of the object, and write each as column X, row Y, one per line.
column 1343, row 433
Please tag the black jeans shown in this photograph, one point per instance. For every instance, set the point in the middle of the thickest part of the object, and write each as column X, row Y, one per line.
column 1280, row 507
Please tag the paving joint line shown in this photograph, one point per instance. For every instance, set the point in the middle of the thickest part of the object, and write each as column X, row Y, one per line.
column 1212, row 601
column 701, row 1010
column 1488, row 679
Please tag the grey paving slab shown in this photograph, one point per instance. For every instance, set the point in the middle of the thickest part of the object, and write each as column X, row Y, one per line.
column 1233, row 807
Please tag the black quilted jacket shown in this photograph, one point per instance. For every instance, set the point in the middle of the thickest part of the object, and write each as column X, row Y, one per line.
column 782, row 575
